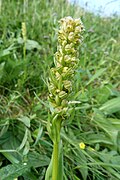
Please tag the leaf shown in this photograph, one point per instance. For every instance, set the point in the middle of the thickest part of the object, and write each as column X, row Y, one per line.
column 106, row 125
column 99, row 138
column 115, row 160
column 79, row 156
column 25, row 120
column 7, row 51
column 2, row 69
column 96, row 75
column 12, row 171
column 10, row 157
column 81, row 161
column 30, row 44
column 118, row 141
column 24, row 140
column 48, row 175
column 115, row 122
column 29, row 176
column 5, row 127
column 42, row 102
column 111, row 106
column 38, row 160
column 103, row 94
column 37, row 134
column 9, row 143
column 26, row 148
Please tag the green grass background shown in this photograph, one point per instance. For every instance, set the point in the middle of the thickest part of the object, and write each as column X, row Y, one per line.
column 25, row 147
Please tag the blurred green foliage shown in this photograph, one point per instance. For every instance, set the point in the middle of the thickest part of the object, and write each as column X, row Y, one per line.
column 25, row 147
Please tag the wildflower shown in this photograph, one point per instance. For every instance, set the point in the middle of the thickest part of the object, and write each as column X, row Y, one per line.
column 66, row 58
column 60, row 85
column 82, row 145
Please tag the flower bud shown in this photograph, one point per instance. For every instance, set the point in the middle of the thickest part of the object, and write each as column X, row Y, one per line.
column 64, row 103
column 71, row 36
column 62, row 95
column 67, row 85
column 57, row 100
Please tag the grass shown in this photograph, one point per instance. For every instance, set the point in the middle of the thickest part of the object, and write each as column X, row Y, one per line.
column 25, row 147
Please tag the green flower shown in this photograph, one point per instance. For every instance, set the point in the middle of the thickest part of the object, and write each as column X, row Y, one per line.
column 66, row 59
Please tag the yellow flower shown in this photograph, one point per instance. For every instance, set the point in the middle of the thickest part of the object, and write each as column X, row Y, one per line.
column 82, row 145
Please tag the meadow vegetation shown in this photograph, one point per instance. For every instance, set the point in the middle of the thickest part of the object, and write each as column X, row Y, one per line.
column 91, row 135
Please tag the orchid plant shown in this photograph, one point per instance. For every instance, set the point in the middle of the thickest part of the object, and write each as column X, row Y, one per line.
column 60, row 87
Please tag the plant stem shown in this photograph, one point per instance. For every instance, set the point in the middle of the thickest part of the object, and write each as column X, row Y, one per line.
column 25, row 67
column 55, row 160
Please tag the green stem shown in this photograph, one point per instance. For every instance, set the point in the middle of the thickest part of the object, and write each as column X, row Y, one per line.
column 24, row 56
column 55, row 161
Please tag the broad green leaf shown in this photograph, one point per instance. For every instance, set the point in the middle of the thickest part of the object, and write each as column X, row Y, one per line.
column 111, row 106
column 9, row 143
column 106, row 125
column 96, row 75
column 103, row 94
column 37, row 160
column 4, row 128
column 99, row 138
column 115, row 160
column 30, row 44
column 29, row 176
column 115, row 122
column 9, row 156
column 5, row 52
column 12, row 171
column 25, row 120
